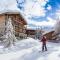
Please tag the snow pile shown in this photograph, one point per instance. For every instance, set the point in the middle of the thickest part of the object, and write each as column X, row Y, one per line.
column 23, row 44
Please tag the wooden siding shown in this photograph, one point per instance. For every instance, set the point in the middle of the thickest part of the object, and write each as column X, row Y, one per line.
column 49, row 35
column 2, row 24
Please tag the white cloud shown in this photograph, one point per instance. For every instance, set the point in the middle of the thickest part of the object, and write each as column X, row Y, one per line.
column 31, row 27
column 50, row 22
column 35, row 8
column 49, row 7
column 8, row 4
column 58, row 14
column 42, row 2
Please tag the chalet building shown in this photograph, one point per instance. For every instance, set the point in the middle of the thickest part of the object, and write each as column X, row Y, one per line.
column 30, row 33
column 18, row 22
column 34, row 33
column 49, row 35
column 52, row 36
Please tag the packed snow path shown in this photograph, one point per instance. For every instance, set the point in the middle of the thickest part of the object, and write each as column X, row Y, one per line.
column 30, row 49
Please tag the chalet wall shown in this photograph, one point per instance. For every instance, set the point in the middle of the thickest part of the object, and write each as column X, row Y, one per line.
column 2, row 24
column 49, row 35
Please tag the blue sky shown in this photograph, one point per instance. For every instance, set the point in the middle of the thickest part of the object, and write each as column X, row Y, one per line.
column 54, row 5
column 38, row 13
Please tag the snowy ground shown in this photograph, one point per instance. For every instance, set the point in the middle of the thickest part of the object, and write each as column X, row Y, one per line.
column 30, row 49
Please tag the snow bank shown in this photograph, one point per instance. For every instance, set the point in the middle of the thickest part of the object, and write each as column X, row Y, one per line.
column 23, row 44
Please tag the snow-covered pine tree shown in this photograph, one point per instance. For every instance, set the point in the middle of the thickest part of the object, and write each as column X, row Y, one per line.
column 57, row 29
column 10, row 36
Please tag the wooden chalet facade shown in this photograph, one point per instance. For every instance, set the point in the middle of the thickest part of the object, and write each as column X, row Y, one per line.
column 30, row 33
column 49, row 35
column 17, row 20
column 33, row 33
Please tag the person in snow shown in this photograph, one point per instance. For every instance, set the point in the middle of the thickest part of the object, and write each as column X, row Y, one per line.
column 44, row 43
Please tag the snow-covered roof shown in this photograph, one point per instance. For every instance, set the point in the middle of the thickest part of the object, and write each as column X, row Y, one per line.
column 10, row 12
column 47, row 32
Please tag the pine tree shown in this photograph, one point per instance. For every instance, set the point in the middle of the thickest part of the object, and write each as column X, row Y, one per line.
column 10, row 37
column 57, row 29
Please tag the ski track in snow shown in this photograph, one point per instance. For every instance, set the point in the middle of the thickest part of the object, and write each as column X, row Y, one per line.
column 30, row 49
